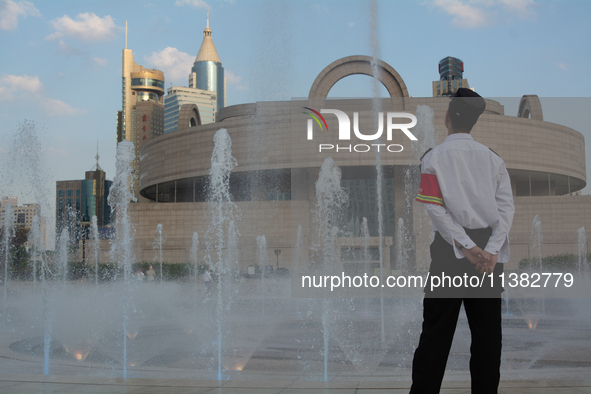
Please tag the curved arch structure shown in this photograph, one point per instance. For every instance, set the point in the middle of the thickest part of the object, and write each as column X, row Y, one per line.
column 530, row 107
column 189, row 116
column 352, row 65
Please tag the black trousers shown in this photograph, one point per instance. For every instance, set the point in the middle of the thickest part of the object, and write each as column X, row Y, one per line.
column 440, row 316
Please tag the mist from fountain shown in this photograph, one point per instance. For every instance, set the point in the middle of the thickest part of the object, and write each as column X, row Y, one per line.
column 159, row 240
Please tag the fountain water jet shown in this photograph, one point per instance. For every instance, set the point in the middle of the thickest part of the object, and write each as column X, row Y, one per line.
column 583, row 268
column 537, row 239
column 401, row 253
column 64, row 242
column 159, row 240
column 120, row 195
column 8, row 234
column 330, row 199
column 36, row 247
column 223, row 211
column 365, row 235
column 380, row 177
column 193, row 255
column 263, row 263
column 94, row 246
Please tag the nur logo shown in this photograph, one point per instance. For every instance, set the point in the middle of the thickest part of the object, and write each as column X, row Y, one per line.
column 345, row 129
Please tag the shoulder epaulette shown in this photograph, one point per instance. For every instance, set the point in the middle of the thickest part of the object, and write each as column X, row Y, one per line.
column 428, row 150
column 494, row 152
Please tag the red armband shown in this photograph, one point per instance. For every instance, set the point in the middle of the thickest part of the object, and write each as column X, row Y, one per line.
column 429, row 191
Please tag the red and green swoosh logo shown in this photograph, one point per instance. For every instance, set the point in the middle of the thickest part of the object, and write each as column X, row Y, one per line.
column 315, row 115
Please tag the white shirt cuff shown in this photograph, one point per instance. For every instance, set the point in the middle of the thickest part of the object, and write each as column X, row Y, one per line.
column 466, row 243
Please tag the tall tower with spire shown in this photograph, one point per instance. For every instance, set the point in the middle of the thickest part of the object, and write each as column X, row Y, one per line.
column 142, row 112
column 207, row 72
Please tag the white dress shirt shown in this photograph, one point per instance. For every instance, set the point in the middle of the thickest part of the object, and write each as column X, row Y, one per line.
column 476, row 192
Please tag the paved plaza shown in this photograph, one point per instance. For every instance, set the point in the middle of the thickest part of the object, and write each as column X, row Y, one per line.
column 15, row 383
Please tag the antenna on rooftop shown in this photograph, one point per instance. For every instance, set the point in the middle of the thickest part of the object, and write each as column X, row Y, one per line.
column 125, row 38
column 98, row 168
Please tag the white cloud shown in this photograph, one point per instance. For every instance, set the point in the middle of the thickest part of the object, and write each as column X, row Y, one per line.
column 55, row 107
column 464, row 15
column 86, row 27
column 522, row 7
column 99, row 61
column 15, row 83
column 320, row 7
column 172, row 62
column 192, row 3
column 477, row 13
column 232, row 78
column 30, row 88
column 68, row 50
column 58, row 151
column 10, row 11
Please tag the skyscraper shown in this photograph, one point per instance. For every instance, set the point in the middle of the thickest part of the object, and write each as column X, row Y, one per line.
column 142, row 114
column 79, row 200
column 451, row 77
column 207, row 72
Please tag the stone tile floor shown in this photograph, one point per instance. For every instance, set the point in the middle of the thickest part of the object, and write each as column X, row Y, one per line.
column 20, row 383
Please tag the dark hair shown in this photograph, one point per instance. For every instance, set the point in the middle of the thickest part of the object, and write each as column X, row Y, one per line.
column 462, row 125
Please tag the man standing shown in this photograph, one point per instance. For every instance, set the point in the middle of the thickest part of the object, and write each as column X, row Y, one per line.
column 467, row 193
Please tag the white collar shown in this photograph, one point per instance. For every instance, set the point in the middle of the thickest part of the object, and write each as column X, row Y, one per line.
column 458, row 136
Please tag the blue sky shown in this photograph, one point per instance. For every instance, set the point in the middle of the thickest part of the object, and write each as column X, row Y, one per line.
column 61, row 60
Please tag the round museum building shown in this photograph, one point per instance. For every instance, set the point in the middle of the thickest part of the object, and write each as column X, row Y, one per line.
column 279, row 147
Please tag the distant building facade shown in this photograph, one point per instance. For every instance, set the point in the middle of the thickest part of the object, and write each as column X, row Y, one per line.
column 10, row 199
column 23, row 217
column 177, row 96
column 451, row 77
